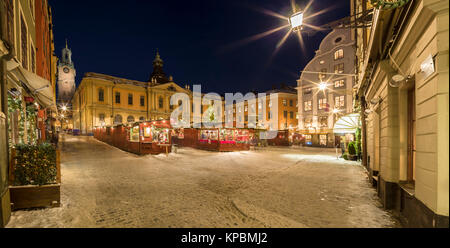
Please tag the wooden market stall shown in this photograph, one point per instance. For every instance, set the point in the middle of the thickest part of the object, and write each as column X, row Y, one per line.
column 215, row 139
column 282, row 139
column 139, row 138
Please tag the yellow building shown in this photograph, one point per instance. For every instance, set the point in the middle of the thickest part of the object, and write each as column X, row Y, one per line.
column 106, row 100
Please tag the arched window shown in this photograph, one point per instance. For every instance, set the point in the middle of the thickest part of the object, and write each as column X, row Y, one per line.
column 161, row 102
column 101, row 95
column 142, row 118
column 118, row 119
column 130, row 119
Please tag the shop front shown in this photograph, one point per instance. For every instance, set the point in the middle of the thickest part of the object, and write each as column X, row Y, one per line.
column 140, row 138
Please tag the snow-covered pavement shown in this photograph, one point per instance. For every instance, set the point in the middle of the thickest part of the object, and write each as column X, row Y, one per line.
column 276, row 187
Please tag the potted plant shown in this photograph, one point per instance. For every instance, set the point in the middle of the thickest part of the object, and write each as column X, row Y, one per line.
column 352, row 151
column 35, row 177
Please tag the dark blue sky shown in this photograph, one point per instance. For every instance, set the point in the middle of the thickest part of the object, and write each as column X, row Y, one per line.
column 195, row 39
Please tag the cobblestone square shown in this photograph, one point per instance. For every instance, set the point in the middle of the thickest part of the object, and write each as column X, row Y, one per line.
column 103, row 186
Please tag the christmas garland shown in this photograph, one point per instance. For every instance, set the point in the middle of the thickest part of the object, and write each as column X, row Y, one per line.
column 383, row 4
column 15, row 104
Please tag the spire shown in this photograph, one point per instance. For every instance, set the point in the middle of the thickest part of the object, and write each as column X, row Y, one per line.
column 158, row 74
column 67, row 47
column 158, row 61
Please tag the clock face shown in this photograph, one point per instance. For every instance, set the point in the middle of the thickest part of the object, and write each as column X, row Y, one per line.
column 66, row 70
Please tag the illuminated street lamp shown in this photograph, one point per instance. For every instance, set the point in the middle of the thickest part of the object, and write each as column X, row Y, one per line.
column 296, row 21
column 335, row 111
column 323, row 86
column 64, row 108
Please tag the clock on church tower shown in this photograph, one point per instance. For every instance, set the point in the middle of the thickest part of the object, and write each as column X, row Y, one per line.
column 66, row 77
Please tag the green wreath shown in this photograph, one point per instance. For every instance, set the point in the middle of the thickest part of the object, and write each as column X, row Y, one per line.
column 388, row 4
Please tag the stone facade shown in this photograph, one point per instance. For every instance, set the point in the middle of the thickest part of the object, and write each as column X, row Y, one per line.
column 335, row 58
column 407, row 121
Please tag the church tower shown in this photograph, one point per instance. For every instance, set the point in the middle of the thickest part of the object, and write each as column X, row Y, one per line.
column 66, row 76
column 158, row 76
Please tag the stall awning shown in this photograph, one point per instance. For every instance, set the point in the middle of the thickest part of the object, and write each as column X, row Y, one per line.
column 41, row 88
column 347, row 124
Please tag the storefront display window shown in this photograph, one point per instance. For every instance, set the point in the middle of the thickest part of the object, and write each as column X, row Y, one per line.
column 181, row 133
column 147, row 132
column 308, row 139
column 160, row 135
column 209, row 135
column 323, row 140
column 134, row 134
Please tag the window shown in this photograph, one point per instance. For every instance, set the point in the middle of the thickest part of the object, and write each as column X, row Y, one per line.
column 339, row 83
column 339, row 54
column 285, row 114
column 323, row 121
column 33, row 65
column 291, row 103
column 339, row 101
column 101, row 95
column 323, row 140
column 339, row 68
column 118, row 119
column 323, row 103
column 322, row 76
column 284, row 102
column 270, row 115
column 142, row 100
column 117, row 97
column 142, row 118
column 322, row 62
column 24, row 40
column 308, row 122
column 291, row 114
column 130, row 119
column 308, row 105
column 130, row 99
column 101, row 118
column 161, row 102
column 307, row 91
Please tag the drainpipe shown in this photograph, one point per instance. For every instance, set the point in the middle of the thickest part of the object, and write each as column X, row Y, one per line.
column 364, row 132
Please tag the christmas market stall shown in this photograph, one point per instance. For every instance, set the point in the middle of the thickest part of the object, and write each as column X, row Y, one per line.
column 282, row 139
column 139, row 138
column 215, row 139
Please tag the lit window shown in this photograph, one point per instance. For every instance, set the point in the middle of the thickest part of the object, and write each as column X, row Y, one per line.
column 308, row 105
column 323, row 121
column 323, row 103
column 284, row 102
column 322, row 62
column 339, row 68
column 323, row 140
column 322, row 76
column 339, row 83
column 339, row 101
column 339, row 54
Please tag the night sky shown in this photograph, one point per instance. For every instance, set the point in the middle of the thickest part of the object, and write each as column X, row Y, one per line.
column 196, row 39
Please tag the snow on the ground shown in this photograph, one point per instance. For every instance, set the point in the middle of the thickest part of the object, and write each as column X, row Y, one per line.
column 103, row 186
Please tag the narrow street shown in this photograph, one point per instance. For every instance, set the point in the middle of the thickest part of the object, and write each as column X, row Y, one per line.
column 278, row 187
